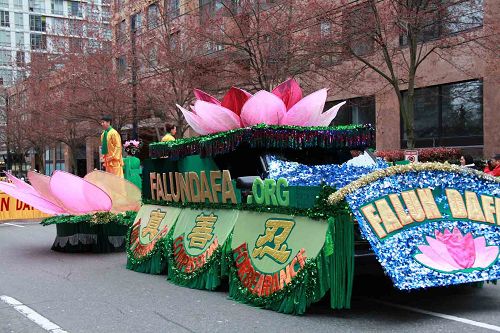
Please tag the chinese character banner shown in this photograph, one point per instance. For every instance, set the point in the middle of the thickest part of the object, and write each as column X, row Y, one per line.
column 197, row 245
column 147, row 238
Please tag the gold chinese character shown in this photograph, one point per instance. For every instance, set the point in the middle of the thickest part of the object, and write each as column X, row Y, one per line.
column 202, row 231
column 271, row 243
column 153, row 225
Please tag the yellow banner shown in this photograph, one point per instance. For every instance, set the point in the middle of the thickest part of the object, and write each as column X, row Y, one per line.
column 13, row 209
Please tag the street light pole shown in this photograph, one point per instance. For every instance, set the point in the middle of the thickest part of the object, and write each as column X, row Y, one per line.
column 133, row 29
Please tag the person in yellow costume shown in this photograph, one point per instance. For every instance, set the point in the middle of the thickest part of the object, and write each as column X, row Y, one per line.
column 111, row 148
column 171, row 131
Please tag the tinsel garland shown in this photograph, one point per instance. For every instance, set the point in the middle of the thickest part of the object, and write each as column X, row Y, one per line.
column 320, row 210
column 414, row 167
column 155, row 262
column 268, row 137
column 125, row 218
column 208, row 276
column 332, row 269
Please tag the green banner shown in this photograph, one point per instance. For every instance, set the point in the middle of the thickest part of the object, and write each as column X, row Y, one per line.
column 196, row 249
column 201, row 230
column 270, row 249
column 145, row 237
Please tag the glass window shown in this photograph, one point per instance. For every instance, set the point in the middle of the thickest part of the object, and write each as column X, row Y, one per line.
column 75, row 27
column 6, row 77
column 49, row 161
column 121, row 64
column 58, row 25
column 59, row 152
column 105, row 12
column 153, row 16
column 153, row 57
column 462, row 16
column 360, row 110
column 4, row 38
column 4, row 3
column 325, row 29
column 5, row 58
column 20, row 39
column 19, row 20
column 448, row 115
column 4, row 18
column 57, row 7
column 354, row 27
column 136, row 22
column 448, row 17
column 37, row 6
column 209, row 8
column 38, row 41
column 18, row 4
column 122, row 28
column 172, row 8
column 37, row 23
column 462, row 109
column 20, row 59
column 75, row 9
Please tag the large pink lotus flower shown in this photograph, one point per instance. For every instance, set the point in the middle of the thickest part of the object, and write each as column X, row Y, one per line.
column 283, row 106
column 211, row 116
column 64, row 193
column 451, row 251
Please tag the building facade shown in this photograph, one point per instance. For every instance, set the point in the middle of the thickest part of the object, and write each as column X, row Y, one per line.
column 30, row 27
column 456, row 98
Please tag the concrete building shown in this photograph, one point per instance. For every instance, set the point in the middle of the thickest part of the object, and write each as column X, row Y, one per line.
column 28, row 27
column 31, row 28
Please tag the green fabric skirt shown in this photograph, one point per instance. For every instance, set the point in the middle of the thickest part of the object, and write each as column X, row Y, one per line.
column 87, row 237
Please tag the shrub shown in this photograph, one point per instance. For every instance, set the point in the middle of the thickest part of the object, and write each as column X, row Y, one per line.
column 437, row 154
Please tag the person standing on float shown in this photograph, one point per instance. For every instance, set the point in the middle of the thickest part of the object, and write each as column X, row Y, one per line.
column 111, row 148
column 171, row 132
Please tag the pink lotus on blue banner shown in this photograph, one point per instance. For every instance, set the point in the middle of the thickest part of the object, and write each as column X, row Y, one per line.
column 451, row 252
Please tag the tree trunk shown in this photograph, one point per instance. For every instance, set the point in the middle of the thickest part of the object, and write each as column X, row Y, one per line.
column 39, row 162
column 72, row 159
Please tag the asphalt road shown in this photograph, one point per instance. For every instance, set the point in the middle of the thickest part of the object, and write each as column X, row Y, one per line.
column 95, row 293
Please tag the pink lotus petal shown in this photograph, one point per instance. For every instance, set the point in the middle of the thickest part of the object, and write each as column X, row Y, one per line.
column 41, row 185
column 31, row 199
column 263, row 107
column 439, row 262
column 307, row 111
column 124, row 195
column 22, row 185
column 77, row 195
column 461, row 248
column 327, row 117
column 234, row 99
column 441, row 249
column 216, row 118
column 439, row 265
column 203, row 96
column 485, row 255
column 289, row 92
column 194, row 121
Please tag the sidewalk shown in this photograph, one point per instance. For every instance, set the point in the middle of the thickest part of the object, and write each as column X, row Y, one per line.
column 24, row 221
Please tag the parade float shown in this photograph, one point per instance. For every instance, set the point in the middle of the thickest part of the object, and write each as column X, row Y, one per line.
column 91, row 213
column 265, row 201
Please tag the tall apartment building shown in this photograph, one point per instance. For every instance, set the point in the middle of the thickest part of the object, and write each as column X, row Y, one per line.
column 31, row 28
column 28, row 27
